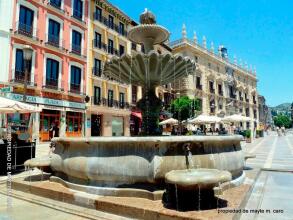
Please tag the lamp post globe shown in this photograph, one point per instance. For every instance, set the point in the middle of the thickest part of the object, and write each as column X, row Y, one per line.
column 27, row 52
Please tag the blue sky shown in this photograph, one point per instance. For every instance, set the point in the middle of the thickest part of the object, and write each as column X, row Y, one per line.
column 259, row 32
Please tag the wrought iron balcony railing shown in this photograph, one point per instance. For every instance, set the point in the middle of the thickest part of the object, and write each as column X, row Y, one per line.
column 26, row 30
column 56, row 4
column 97, row 71
column 113, row 26
column 19, row 78
column 55, row 41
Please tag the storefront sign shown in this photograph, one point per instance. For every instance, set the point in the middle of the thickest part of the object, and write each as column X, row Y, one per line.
column 6, row 89
column 46, row 101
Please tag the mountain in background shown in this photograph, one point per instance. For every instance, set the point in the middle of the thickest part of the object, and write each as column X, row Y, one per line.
column 284, row 108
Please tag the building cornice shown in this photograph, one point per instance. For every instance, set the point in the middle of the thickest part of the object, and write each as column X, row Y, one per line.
column 188, row 43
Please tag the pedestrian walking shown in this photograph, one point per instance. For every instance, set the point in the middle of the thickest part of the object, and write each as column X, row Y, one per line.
column 278, row 131
column 283, row 130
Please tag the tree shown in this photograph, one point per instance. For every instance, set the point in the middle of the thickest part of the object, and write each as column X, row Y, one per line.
column 282, row 120
column 184, row 107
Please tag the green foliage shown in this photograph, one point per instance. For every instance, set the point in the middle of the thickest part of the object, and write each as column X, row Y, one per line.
column 184, row 107
column 282, row 120
column 247, row 133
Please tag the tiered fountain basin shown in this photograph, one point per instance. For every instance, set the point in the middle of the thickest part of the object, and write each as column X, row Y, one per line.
column 124, row 161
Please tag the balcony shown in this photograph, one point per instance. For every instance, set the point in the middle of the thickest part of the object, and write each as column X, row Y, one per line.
column 97, row 71
column 77, row 50
column 212, row 90
column 75, row 88
column 26, row 30
column 19, row 78
column 56, row 4
column 55, row 41
column 110, row 103
column 99, row 45
column 133, row 46
column 134, row 99
column 198, row 86
column 232, row 96
column 51, row 84
column 105, row 21
column 77, row 15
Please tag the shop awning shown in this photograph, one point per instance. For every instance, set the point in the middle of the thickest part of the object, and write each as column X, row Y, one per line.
column 12, row 106
column 137, row 114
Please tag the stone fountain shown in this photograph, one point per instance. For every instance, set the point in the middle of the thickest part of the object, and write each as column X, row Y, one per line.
column 137, row 166
column 149, row 69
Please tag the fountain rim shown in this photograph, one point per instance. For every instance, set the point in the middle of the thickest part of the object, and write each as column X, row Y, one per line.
column 144, row 27
column 150, row 139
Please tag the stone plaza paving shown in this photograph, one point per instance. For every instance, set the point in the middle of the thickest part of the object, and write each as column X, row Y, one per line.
column 270, row 198
column 273, row 189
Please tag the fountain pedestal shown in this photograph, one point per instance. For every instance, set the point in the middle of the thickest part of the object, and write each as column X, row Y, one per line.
column 192, row 189
column 150, row 106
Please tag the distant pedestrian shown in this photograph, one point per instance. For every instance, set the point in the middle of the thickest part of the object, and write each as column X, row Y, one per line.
column 278, row 131
column 56, row 130
column 283, row 130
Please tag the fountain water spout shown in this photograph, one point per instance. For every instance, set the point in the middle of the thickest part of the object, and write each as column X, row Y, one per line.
column 188, row 155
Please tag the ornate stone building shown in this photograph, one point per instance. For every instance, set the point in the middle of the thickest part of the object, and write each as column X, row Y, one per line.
column 224, row 88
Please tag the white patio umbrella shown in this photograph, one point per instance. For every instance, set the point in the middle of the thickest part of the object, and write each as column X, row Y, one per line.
column 170, row 121
column 205, row 119
column 11, row 106
column 235, row 119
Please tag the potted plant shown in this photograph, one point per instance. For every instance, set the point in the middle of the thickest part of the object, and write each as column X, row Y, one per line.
column 248, row 136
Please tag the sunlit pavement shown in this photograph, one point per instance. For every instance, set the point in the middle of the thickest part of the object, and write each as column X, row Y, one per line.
column 272, row 191
column 272, row 194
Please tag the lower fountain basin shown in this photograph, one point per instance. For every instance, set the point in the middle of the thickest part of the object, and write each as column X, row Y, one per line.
column 122, row 161
column 197, row 178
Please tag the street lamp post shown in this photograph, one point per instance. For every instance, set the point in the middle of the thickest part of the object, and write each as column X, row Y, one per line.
column 27, row 55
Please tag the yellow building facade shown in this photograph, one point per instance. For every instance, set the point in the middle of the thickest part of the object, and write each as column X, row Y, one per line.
column 224, row 87
column 108, row 111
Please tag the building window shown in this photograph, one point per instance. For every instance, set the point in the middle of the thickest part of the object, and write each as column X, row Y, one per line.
column 20, row 66
column 134, row 94
column 77, row 9
column 97, row 67
column 111, row 22
column 76, row 42
column 75, row 79
column 110, row 46
column 232, row 93
column 26, row 17
column 110, row 98
column 211, row 84
column 52, row 73
column 121, row 100
column 98, row 40
column 218, row 69
column 56, row 3
column 121, row 28
column 220, row 89
column 121, row 50
column 198, row 84
column 97, row 95
column 247, row 112
column 98, row 14
column 133, row 46
column 209, row 65
column 196, row 59
column 54, row 33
